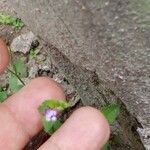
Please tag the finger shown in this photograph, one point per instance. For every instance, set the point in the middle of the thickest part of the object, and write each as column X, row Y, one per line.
column 19, row 115
column 86, row 129
column 4, row 56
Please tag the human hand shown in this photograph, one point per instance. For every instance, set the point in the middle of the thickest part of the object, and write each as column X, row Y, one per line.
column 86, row 129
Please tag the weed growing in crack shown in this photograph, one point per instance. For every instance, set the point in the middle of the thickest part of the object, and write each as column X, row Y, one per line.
column 111, row 113
column 51, row 110
column 33, row 53
column 17, row 71
column 12, row 21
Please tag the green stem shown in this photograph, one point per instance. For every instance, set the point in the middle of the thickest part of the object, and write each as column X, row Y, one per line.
column 16, row 76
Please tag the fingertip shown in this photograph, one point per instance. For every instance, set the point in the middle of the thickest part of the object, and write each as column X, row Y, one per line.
column 96, row 126
column 21, row 110
column 98, row 123
column 24, row 104
column 48, row 86
column 4, row 56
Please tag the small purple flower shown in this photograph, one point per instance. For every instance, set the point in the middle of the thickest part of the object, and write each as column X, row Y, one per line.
column 50, row 114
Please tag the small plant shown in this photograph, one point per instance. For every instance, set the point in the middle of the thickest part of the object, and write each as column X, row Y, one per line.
column 33, row 53
column 17, row 71
column 9, row 20
column 111, row 113
column 51, row 109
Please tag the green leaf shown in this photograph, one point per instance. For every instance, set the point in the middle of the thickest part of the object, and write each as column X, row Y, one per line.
column 51, row 126
column 9, row 20
column 3, row 95
column 53, row 104
column 111, row 112
column 20, row 68
column 17, row 23
column 48, row 126
column 5, row 19
column 14, row 83
column 57, row 125
column 33, row 53
column 106, row 146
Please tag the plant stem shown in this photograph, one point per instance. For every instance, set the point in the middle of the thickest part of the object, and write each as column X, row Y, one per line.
column 16, row 76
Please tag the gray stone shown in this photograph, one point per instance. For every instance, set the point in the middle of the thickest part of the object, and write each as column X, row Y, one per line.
column 58, row 78
column 41, row 58
column 33, row 71
column 146, row 136
column 23, row 42
column 109, row 37
column 4, row 79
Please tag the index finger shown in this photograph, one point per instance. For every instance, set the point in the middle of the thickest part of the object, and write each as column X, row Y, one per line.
column 19, row 116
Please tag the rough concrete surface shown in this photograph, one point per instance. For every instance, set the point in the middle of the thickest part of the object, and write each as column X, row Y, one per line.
column 110, row 37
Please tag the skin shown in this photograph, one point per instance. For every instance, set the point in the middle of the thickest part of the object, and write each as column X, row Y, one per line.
column 4, row 56
column 86, row 129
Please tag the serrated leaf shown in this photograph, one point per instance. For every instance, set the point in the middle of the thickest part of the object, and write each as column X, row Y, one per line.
column 53, row 104
column 20, row 68
column 111, row 112
column 3, row 96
